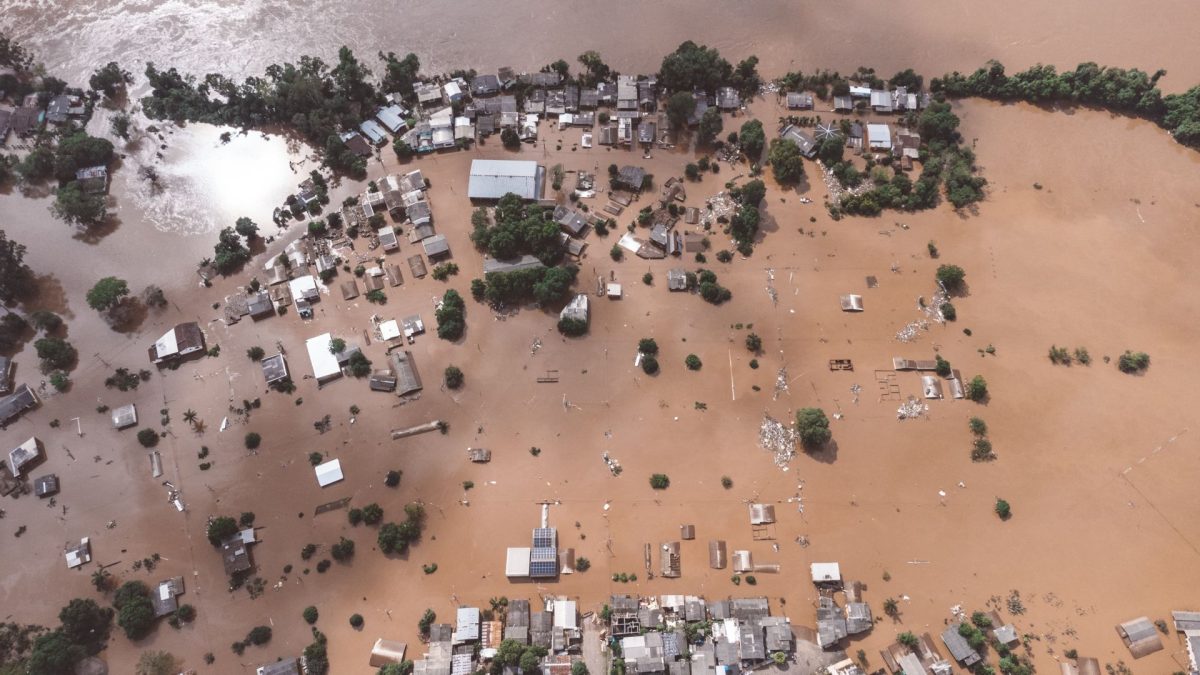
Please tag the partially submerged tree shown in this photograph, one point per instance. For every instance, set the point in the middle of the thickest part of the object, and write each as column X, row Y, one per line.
column 812, row 427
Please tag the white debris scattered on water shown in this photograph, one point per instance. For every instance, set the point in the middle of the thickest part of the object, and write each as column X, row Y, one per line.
column 777, row 438
column 781, row 382
column 911, row 409
column 774, row 295
column 912, row 330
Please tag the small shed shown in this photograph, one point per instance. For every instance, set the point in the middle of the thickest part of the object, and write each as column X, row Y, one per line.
column 931, row 387
column 46, row 486
column 826, row 573
column 394, row 276
column 79, row 554
column 274, row 369
column 1140, row 636
column 416, row 265
column 329, row 472
column 479, row 455
column 24, row 455
column 852, row 303
column 717, row 556
column 124, row 417
column 349, row 289
column 687, row 532
column 762, row 514
column 436, row 246
column 382, row 380
column 387, row 652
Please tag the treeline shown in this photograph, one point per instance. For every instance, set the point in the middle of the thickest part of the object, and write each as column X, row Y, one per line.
column 312, row 97
column 546, row 285
column 698, row 67
column 519, row 229
column 1130, row 92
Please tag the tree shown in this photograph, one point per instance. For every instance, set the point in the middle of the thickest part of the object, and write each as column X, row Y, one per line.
column 253, row 440
column 110, row 80
column 530, row 662
column 1133, row 362
column 451, row 316
column 16, row 278
column 978, row 426
column 400, row 74
column 229, row 252
column 647, row 346
column 977, row 388
column 80, row 151
column 247, row 228
column 360, row 365
column 752, row 193
column 649, row 364
column 908, row 640
column 579, row 667
column 786, row 163
column 692, row 362
column 596, row 68
column 692, row 66
column 660, row 481
column 135, row 612
column 259, row 635
column 391, row 538
column 392, row 479
column 941, row 366
column 510, row 139
column 77, row 207
column 148, row 438
column 752, row 139
column 951, row 276
column 12, row 326
column 753, row 343
column 454, row 377
column 119, row 125
column 812, row 426
column 220, row 529
column 310, row 614
column 891, row 607
column 680, row 107
column 343, row 550
column 1003, row 509
column 86, row 624
column 107, row 293
column 938, row 123
column 337, row 346
column 356, row 620
column 157, row 663
column 54, row 654
column 255, row 353
column 55, row 353
column 711, row 125
column 831, row 149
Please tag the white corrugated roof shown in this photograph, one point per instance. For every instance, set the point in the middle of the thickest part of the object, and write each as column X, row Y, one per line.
column 324, row 362
column 494, row 178
column 329, row 473
column 517, row 564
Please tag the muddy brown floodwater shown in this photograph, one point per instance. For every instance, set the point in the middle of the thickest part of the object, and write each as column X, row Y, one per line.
column 1099, row 466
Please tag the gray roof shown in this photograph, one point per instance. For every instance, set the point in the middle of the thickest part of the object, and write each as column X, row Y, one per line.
column 436, row 245
column 284, row 667
column 750, row 608
column 632, row 176
column 802, row 139
column 274, row 368
column 407, row 378
column 959, row 649
column 525, row 262
column 14, row 404
column 494, row 178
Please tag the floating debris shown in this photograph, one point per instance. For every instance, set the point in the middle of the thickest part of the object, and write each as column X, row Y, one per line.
column 777, row 438
column 912, row 330
column 771, row 292
column 781, row 382
column 911, row 409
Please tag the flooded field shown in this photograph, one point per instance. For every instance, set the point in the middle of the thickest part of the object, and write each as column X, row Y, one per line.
column 1097, row 465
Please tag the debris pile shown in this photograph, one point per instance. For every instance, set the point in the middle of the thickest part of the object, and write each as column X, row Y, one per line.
column 911, row 409
column 771, row 292
column 912, row 330
column 777, row 438
column 781, row 382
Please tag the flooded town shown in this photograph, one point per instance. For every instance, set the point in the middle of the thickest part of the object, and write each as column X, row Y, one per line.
column 447, row 339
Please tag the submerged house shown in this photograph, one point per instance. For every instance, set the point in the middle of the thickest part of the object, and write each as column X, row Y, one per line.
column 180, row 341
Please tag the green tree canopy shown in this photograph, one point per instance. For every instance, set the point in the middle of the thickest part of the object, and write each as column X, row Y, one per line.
column 711, row 125
column 79, row 151
column 16, row 278
column 86, row 623
column 692, row 66
column 77, row 207
column 752, row 139
column 812, row 427
column 786, row 163
column 107, row 293
column 54, row 654
column 680, row 107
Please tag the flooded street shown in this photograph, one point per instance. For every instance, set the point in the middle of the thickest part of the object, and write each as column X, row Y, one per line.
column 1098, row 465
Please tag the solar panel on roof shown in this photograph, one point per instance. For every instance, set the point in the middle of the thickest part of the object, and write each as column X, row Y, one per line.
column 543, row 569
column 543, row 554
column 543, row 537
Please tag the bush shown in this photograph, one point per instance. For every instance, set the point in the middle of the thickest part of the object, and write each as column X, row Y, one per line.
column 315, row 458
column 941, row 366
column 977, row 388
column 310, row 614
column 1133, row 362
column 908, row 640
column 246, row 519
column 647, row 346
column 255, row 353
column 323, row 566
column 356, row 620
column 616, row 253
column 660, row 481
column 812, row 426
column 572, row 327
column 253, row 440
column 259, row 635
column 392, row 479
column 451, row 316
column 343, row 550
column 978, row 426
column 692, row 362
column 981, row 450
column 1082, row 356
column 724, row 256
column 948, row 312
column 753, row 343
column 582, row 564
column 1003, row 509
column 355, row 516
column 649, row 364
column 148, row 438
column 372, row 513
column 647, row 278
column 308, row 551
column 55, row 353
column 726, row 482
column 454, row 377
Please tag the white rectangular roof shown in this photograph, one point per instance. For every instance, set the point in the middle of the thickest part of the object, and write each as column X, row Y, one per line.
column 517, row 564
column 389, row 330
column 324, row 362
column 494, row 178
column 822, row 572
column 329, row 473
column 565, row 614
column 879, row 135
column 166, row 345
column 303, row 287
